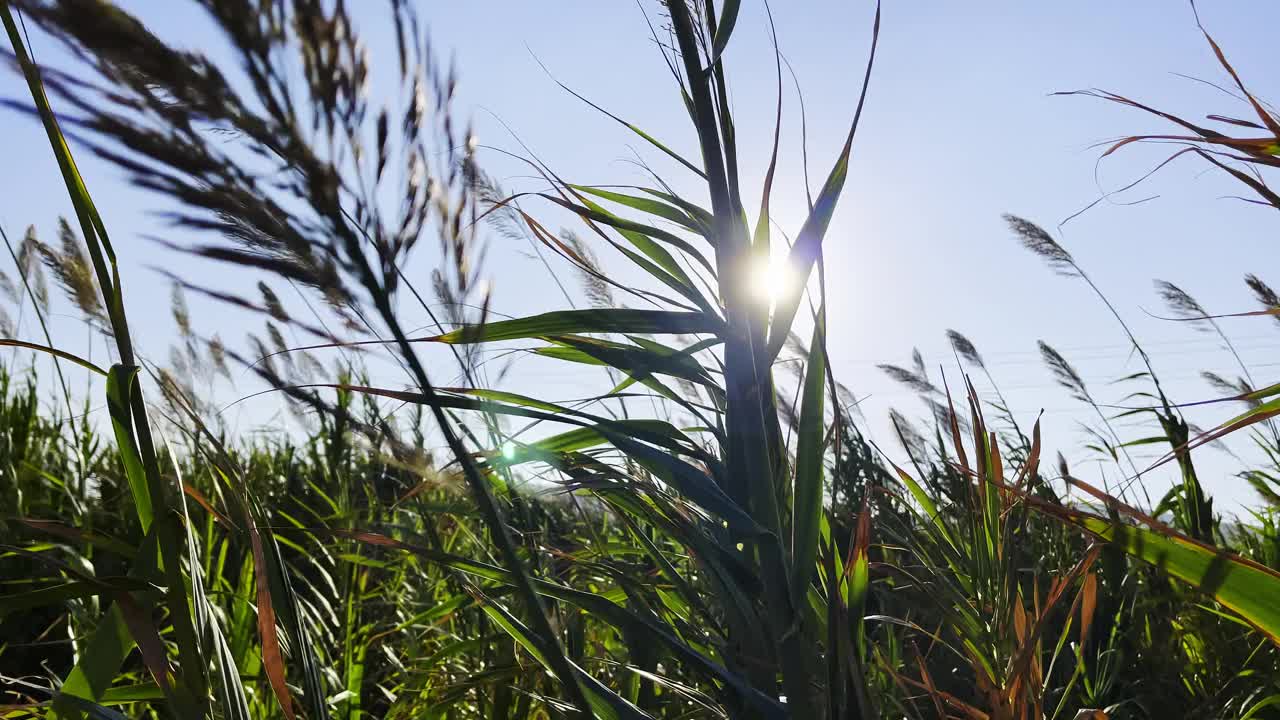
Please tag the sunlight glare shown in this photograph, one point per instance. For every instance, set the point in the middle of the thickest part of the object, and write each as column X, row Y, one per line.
column 770, row 279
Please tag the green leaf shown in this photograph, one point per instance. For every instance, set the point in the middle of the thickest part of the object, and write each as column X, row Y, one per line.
column 67, row 591
column 1264, row 703
column 1247, row 588
column 107, row 649
column 689, row 481
column 594, row 212
column 697, row 374
column 120, row 381
column 1260, row 413
column 131, row 693
column 694, row 484
column 578, row 439
column 635, row 129
column 700, row 215
column 659, row 433
column 507, row 397
column 810, row 448
column 55, row 352
column 929, row 508
column 94, row 539
column 652, row 207
column 808, row 246
column 70, row 706
column 728, row 19
column 565, row 322
column 642, row 362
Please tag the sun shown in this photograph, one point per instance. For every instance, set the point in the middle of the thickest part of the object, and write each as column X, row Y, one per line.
column 770, row 279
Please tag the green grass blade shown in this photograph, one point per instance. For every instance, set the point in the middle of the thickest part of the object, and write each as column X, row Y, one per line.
column 119, row 387
column 128, row 408
column 728, row 19
column 1247, row 588
column 691, row 482
column 663, row 434
column 653, row 207
column 808, row 246
column 700, row 215
column 806, row 518
column 575, row 440
column 8, row 342
column 592, row 211
column 565, row 322
column 635, row 129
column 107, row 649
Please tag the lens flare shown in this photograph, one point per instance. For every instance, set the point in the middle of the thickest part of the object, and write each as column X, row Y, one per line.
column 770, row 279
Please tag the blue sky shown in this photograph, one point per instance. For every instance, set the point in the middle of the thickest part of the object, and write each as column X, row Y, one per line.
column 959, row 128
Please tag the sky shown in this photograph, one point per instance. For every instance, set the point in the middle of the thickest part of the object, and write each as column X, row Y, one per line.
column 959, row 128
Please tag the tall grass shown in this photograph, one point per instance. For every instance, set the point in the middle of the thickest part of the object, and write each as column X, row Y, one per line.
column 744, row 552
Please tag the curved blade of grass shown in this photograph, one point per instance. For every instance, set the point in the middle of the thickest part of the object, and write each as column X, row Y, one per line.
column 506, row 397
column 597, row 213
column 577, row 356
column 1260, row 413
column 9, row 342
column 694, row 484
column 150, row 646
column 685, row 288
column 697, row 213
column 42, row 320
column 572, row 441
column 89, row 537
column 272, row 656
column 84, row 709
column 728, row 18
column 91, row 677
column 1263, row 704
column 1266, row 117
column 1247, row 588
column 760, row 238
column 699, row 376
column 633, row 128
column 642, row 362
column 808, row 246
column 653, row 207
column 659, row 433
column 131, row 693
column 129, row 414
column 587, row 267
column 566, row 322
column 927, row 505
